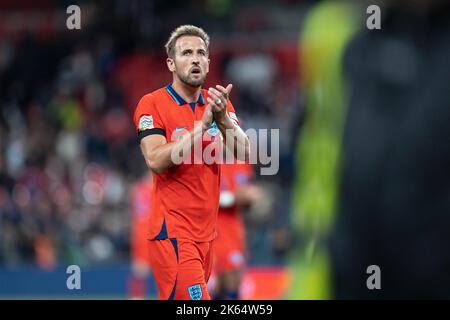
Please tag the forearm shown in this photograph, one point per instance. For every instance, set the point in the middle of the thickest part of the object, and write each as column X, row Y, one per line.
column 169, row 154
column 244, row 195
column 234, row 138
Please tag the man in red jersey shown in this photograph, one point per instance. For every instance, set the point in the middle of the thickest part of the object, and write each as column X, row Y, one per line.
column 140, row 202
column 170, row 123
column 237, row 192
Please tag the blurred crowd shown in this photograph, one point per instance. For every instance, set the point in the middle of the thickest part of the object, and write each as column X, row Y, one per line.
column 68, row 151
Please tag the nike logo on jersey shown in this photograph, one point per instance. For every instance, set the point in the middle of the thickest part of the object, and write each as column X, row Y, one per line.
column 180, row 129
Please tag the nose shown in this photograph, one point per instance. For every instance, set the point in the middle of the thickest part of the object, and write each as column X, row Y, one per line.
column 195, row 59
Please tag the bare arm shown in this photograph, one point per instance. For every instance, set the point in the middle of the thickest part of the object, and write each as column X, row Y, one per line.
column 235, row 139
column 245, row 195
column 159, row 154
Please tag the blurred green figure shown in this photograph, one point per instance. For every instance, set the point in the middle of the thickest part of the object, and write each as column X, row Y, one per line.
column 325, row 34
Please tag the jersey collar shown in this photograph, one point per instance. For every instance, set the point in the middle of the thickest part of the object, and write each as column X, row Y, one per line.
column 179, row 100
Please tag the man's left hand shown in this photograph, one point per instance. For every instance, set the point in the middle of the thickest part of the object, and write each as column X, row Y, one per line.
column 218, row 99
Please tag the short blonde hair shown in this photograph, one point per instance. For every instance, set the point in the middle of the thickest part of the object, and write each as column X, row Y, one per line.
column 185, row 30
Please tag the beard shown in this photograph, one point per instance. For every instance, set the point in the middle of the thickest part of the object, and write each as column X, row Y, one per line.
column 186, row 79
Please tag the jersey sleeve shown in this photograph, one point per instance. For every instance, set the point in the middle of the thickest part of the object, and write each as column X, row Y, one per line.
column 147, row 118
column 232, row 114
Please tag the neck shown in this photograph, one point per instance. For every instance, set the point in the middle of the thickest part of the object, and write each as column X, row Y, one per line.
column 187, row 92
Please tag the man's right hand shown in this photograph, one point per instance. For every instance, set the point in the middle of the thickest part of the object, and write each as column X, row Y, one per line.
column 207, row 117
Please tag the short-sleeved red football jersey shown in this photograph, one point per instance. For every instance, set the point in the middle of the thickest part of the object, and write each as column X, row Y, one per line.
column 185, row 196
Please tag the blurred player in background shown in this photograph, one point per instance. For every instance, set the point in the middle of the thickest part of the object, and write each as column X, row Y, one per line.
column 237, row 193
column 140, row 199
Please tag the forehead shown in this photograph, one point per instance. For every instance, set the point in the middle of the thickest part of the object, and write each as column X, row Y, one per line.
column 190, row 42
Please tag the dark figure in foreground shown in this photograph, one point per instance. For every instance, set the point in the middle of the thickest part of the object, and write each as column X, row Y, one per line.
column 394, row 207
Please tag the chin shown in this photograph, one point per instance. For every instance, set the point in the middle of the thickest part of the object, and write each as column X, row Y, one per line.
column 195, row 83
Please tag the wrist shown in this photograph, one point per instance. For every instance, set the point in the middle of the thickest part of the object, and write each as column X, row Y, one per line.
column 221, row 119
column 205, row 127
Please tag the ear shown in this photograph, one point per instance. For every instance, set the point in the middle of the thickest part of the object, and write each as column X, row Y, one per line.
column 170, row 64
column 207, row 67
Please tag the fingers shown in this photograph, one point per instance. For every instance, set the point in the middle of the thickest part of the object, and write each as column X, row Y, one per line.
column 214, row 106
column 207, row 116
column 217, row 95
column 226, row 90
column 229, row 87
column 211, row 103
column 217, row 101
column 220, row 92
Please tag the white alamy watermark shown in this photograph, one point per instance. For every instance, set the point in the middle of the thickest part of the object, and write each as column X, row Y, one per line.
column 374, row 20
column 374, row 280
column 74, row 19
column 73, row 281
column 264, row 148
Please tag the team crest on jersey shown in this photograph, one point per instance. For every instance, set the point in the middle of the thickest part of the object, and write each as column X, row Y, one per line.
column 234, row 118
column 195, row 292
column 146, row 122
column 213, row 130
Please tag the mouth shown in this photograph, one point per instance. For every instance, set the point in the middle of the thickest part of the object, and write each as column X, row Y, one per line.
column 196, row 70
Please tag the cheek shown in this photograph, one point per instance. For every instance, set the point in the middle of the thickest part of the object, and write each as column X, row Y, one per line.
column 180, row 64
column 184, row 65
